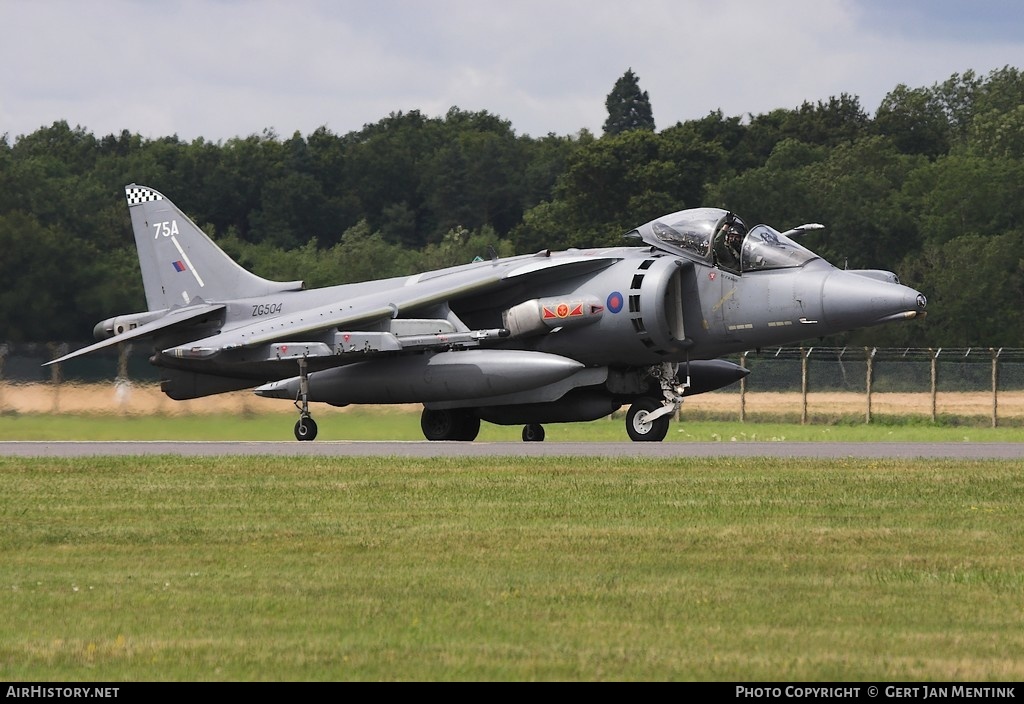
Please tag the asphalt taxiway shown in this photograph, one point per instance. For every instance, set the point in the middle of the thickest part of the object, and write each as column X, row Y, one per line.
column 424, row 449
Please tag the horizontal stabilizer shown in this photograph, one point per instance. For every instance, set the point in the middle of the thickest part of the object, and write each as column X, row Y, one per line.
column 174, row 318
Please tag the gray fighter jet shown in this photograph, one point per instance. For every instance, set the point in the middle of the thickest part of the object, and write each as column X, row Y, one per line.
column 551, row 337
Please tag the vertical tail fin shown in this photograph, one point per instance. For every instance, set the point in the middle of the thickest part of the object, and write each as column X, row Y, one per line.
column 180, row 263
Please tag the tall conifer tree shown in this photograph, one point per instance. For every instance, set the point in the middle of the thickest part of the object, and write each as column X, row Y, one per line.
column 629, row 108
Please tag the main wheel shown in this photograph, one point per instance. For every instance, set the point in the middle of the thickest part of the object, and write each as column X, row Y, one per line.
column 449, row 424
column 639, row 428
column 305, row 429
column 469, row 428
column 533, row 432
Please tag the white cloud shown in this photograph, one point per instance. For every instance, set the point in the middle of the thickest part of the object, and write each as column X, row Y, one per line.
column 224, row 68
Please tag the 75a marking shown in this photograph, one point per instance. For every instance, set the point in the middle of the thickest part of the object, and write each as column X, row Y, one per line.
column 165, row 229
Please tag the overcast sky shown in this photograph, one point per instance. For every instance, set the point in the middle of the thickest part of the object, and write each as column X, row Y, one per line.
column 219, row 69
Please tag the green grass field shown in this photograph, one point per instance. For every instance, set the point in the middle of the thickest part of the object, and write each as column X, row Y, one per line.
column 349, row 569
column 388, row 424
column 248, row 569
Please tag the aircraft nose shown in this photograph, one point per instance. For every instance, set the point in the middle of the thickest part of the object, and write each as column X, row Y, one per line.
column 860, row 299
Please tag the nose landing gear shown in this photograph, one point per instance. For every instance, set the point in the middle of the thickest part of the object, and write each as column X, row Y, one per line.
column 648, row 418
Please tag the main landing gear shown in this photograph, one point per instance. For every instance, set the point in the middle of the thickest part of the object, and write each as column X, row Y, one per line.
column 533, row 432
column 449, row 424
column 305, row 426
column 647, row 420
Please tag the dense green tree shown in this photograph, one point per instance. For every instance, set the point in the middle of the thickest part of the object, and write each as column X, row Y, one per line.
column 1002, row 92
column 291, row 212
column 963, row 194
column 831, row 123
column 857, row 189
column 546, row 159
column 779, row 193
column 629, row 108
column 461, row 246
column 915, row 121
column 975, row 288
column 59, row 285
column 384, row 164
column 34, row 258
column 547, row 225
column 758, row 140
column 474, row 177
column 936, row 171
column 616, row 183
column 999, row 135
column 958, row 95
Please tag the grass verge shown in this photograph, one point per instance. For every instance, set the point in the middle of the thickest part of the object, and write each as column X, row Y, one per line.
column 350, row 569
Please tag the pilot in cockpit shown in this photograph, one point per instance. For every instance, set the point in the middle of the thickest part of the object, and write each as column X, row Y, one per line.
column 728, row 241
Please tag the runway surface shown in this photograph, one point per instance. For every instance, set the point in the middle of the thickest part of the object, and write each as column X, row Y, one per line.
column 663, row 450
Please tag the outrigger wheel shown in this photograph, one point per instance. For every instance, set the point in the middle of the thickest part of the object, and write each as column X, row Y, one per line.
column 305, row 428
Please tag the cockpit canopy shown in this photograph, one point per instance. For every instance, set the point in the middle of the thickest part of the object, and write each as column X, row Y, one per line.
column 722, row 239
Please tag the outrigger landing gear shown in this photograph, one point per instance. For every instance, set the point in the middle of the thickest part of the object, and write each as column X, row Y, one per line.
column 648, row 417
column 305, row 426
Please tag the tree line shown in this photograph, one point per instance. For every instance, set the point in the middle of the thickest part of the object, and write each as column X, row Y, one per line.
column 929, row 186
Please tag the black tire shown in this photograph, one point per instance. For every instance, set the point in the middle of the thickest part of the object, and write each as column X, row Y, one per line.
column 636, row 426
column 449, row 424
column 533, row 432
column 305, row 429
column 470, row 426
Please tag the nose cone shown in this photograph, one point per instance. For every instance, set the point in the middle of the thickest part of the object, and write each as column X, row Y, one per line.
column 711, row 374
column 855, row 300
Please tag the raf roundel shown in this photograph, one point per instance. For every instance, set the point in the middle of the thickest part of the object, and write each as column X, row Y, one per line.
column 614, row 301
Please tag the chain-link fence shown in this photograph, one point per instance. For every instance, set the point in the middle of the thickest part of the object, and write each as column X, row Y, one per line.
column 872, row 371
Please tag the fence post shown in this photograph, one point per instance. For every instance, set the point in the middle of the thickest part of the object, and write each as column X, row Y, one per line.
column 870, row 354
column 743, row 388
column 803, row 384
column 934, row 354
column 995, row 385
column 3, row 356
column 56, row 350
column 122, row 386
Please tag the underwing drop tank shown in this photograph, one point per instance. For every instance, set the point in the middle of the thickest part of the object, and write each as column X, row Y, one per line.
column 464, row 374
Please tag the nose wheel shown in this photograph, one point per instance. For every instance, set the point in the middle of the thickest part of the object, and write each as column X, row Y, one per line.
column 642, row 425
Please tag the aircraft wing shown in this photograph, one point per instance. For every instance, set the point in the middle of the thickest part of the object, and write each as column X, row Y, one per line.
column 418, row 292
column 174, row 318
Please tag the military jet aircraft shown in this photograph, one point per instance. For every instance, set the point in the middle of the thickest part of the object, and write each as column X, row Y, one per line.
column 550, row 337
